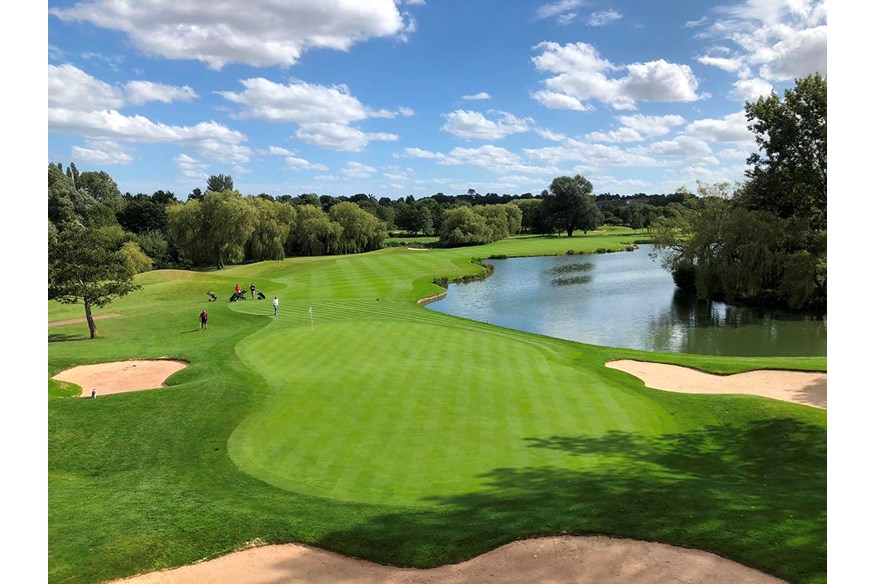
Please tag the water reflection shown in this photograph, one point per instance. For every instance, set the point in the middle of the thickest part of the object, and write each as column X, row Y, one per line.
column 626, row 299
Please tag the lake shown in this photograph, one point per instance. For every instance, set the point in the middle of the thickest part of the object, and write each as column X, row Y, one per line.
column 626, row 299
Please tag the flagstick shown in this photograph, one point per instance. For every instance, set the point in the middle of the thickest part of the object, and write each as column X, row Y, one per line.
column 310, row 310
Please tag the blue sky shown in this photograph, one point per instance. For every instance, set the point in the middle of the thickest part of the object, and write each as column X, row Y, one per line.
column 418, row 97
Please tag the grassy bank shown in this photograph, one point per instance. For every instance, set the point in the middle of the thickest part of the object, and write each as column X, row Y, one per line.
column 401, row 435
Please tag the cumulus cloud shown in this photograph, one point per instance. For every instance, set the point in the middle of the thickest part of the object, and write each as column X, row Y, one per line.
column 191, row 168
column 102, row 153
column 470, row 124
column 492, row 158
column 209, row 138
column 72, row 88
column 731, row 128
column 651, row 125
column 731, row 65
column 324, row 113
column 418, row 153
column 687, row 147
column 140, row 92
column 581, row 74
column 603, row 17
column 751, row 89
column 481, row 95
column 266, row 33
column 619, row 135
column 781, row 40
column 555, row 100
column 358, row 170
column 339, row 137
column 292, row 161
column 596, row 154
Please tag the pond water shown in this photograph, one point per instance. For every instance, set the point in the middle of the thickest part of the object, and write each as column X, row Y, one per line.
column 626, row 299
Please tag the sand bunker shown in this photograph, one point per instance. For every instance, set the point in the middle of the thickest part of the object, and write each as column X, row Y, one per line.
column 121, row 376
column 800, row 387
column 566, row 559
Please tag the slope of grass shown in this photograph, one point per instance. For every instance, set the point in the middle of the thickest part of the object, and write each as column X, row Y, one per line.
column 401, row 435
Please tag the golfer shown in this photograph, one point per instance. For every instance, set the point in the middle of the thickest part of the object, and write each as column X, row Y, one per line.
column 93, row 393
column 276, row 305
column 204, row 319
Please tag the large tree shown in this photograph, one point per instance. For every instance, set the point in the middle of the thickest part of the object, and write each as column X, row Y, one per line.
column 218, row 183
column 85, row 266
column 789, row 172
column 569, row 205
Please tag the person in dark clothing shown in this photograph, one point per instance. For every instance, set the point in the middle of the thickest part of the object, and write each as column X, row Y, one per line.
column 204, row 319
column 252, row 291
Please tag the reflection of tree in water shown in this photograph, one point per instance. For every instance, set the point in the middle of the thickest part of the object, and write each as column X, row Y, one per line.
column 569, row 274
column 710, row 327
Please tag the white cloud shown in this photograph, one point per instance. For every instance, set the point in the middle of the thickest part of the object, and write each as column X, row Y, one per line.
column 339, row 136
column 262, row 34
column 492, row 158
column 751, row 89
column 470, row 124
column 481, row 95
column 554, row 100
column 557, row 8
column 324, row 114
column 581, row 75
column 419, row 153
column 139, row 92
column 358, row 170
column 651, row 125
column 619, row 135
column 292, row 161
column 687, row 147
column 191, row 168
column 209, row 138
column 731, row 65
column 298, row 102
column 567, row 18
column 102, row 153
column 783, row 40
column 71, row 88
column 798, row 55
column 603, row 17
column 731, row 128
column 595, row 154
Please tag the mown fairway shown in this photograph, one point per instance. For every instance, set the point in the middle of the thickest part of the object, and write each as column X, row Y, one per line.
column 401, row 435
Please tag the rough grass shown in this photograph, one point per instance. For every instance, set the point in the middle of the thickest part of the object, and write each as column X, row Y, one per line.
column 405, row 436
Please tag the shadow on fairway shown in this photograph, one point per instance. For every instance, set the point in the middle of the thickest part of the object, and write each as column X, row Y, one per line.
column 66, row 337
column 755, row 493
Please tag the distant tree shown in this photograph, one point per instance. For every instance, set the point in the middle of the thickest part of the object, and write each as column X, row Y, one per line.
column 73, row 175
column 228, row 223
column 85, row 267
column 134, row 259
column 196, row 195
column 272, row 224
column 531, row 215
column 362, row 231
column 315, row 233
column 568, row 205
column 102, row 188
column 163, row 197
column 218, row 183
column 462, row 226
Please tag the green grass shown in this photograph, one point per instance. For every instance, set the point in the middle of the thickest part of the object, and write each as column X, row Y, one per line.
column 401, row 435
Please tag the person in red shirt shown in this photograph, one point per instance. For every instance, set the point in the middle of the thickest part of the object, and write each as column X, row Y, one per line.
column 204, row 319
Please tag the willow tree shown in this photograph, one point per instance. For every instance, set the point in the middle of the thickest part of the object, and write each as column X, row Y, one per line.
column 229, row 221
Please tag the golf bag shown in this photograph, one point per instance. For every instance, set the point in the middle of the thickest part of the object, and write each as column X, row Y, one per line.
column 260, row 295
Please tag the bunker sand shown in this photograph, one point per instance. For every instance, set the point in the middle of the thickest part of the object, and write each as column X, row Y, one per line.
column 801, row 387
column 121, row 376
column 83, row 319
column 565, row 559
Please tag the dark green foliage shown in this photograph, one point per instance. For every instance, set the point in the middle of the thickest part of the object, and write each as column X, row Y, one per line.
column 218, row 183
column 768, row 243
column 462, row 226
column 86, row 267
column 569, row 206
column 361, row 231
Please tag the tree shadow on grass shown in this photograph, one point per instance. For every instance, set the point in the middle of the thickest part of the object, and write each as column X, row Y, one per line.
column 755, row 493
column 66, row 337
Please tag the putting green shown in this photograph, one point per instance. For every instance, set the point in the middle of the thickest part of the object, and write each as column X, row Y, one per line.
column 419, row 411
